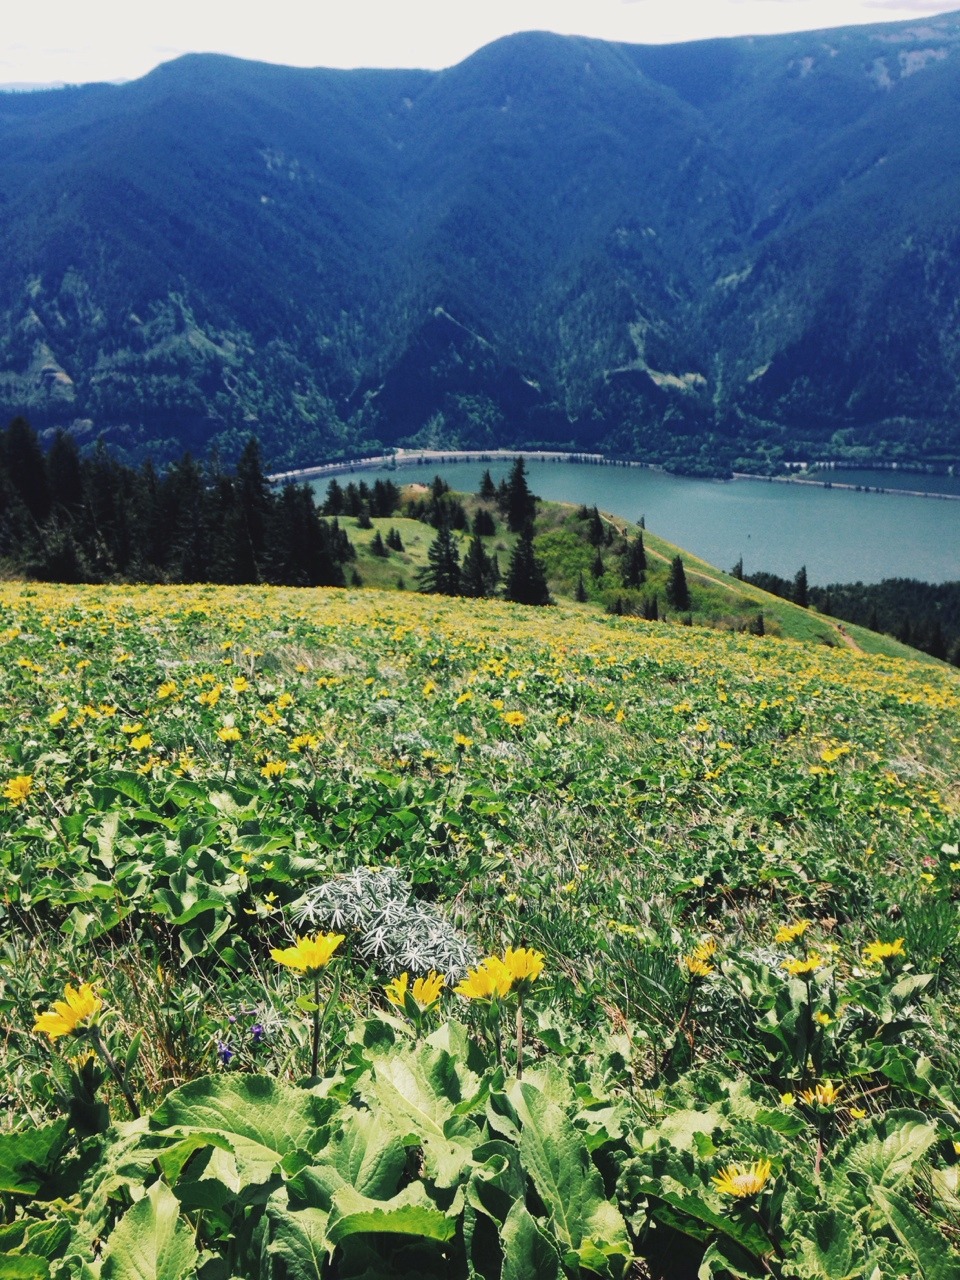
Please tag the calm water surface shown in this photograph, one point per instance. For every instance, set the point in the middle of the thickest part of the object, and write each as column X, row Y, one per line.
column 840, row 535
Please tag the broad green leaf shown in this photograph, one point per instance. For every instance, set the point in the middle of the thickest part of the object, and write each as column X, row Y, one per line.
column 928, row 1251
column 827, row 1246
column 151, row 1241
column 26, row 1153
column 262, row 1119
column 885, row 1149
column 368, row 1154
column 299, row 1237
column 556, row 1156
column 527, row 1249
column 411, row 1213
column 419, row 1093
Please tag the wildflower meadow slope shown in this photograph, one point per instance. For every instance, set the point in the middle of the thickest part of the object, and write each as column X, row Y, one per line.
column 350, row 933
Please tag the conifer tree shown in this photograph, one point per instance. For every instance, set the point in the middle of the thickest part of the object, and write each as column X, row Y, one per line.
column 476, row 575
column 441, row 575
column 487, row 490
column 801, row 595
column 635, row 563
column 377, row 546
column 526, row 578
column 580, row 592
column 678, row 593
column 518, row 503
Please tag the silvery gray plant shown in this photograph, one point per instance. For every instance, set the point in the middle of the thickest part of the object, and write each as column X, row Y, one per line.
column 396, row 931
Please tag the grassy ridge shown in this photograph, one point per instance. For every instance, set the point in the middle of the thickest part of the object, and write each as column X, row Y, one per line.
column 648, row 806
column 717, row 598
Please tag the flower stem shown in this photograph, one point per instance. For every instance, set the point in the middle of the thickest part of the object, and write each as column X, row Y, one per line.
column 519, row 1035
column 316, row 1027
column 110, row 1063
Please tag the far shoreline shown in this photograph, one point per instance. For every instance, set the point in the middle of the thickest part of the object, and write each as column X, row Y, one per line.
column 400, row 458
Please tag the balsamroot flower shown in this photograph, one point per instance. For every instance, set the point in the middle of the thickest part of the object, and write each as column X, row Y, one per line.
column 77, row 1010
column 426, row 991
column 875, row 952
column 796, row 968
column 19, row 788
column 822, row 1095
column 310, row 955
column 523, row 964
column 740, row 1181
column 489, row 980
column 790, row 932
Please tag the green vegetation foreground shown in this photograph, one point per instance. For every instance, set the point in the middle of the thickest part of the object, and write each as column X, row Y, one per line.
column 358, row 934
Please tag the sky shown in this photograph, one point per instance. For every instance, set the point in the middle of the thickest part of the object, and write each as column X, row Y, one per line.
column 76, row 41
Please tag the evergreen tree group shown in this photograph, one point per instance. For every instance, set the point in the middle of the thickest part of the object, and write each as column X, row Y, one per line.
column 72, row 518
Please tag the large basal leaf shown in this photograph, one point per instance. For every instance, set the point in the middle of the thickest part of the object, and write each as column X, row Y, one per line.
column 299, row 1237
column 527, row 1249
column 368, row 1154
column 886, row 1149
column 827, row 1246
column 261, row 1119
column 419, row 1095
column 25, row 1154
column 555, row 1155
column 411, row 1213
column 151, row 1241
column 930, row 1255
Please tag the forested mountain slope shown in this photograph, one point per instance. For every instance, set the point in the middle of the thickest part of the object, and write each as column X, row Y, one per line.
column 713, row 254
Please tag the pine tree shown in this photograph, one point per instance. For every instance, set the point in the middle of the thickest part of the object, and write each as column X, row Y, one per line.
column 598, row 568
column 737, row 570
column 526, row 577
column 519, row 504
column 441, row 575
column 484, row 525
column 377, row 546
column 678, row 593
column 580, row 593
column 801, row 594
column 596, row 534
column 487, row 490
column 635, row 563
column 476, row 575
column 394, row 541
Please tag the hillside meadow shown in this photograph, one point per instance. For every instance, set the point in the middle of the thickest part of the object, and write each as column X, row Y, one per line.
column 350, row 933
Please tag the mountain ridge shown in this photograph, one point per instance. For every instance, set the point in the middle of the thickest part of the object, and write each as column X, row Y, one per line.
column 714, row 254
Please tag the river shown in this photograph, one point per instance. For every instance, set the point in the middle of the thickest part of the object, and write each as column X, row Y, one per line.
column 841, row 535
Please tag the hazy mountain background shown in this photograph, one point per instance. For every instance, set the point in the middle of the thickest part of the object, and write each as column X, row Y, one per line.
column 717, row 254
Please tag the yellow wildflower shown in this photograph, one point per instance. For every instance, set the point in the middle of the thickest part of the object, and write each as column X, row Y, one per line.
column 310, row 955
column 857, row 1113
column 229, row 733
column 523, row 964
column 426, row 991
column 274, row 769
column 875, row 952
column 514, row 718
column 788, row 1099
column 790, row 932
column 491, row 978
column 78, row 1006
column 429, row 687
column 141, row 741
column 167, row 689
column 19, row 788
column 795, row 967
column 55, row 717
column 240, row 684
column 822, row 1095
column 740, row 1181
column 823, row 1018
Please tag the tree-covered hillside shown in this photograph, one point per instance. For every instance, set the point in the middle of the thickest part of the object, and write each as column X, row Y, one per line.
column 714, row 254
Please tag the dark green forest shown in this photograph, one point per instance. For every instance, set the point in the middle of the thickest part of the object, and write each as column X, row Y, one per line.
column 67, row 517
column 922, row 614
